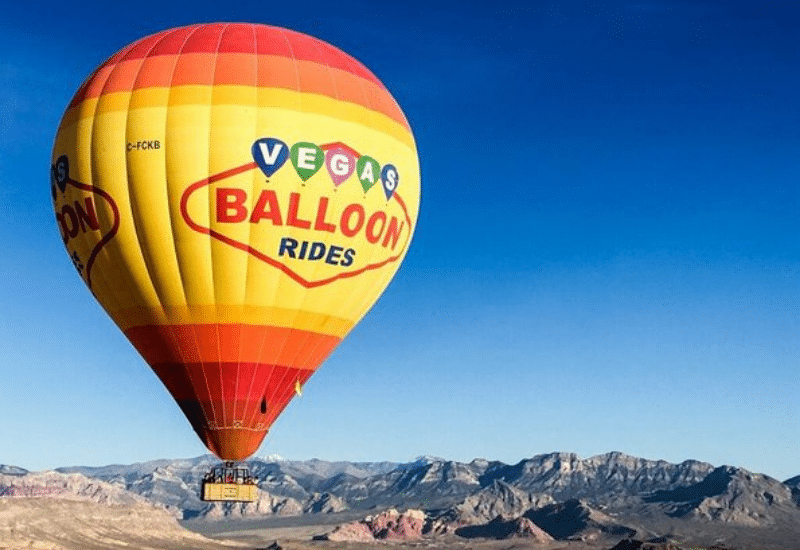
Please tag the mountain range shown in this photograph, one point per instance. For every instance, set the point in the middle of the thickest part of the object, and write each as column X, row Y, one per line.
column 566, row 497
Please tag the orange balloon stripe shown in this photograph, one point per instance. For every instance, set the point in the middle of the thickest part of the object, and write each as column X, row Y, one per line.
column 234, row 437
column 235, row 444
column 285, row 392
column 156, row 72
column 210, row 343
column 244, row 38
column 218, row 54
column 277, row 380
column 149, row 45
column 267, row 71
column 230, row 314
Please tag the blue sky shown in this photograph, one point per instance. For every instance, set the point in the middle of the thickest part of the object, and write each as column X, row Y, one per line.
column 606, row 258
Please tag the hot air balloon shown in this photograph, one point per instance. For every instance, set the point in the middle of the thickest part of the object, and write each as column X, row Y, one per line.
column 237, row 197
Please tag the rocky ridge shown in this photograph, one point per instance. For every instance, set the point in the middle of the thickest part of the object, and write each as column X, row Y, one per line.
column 556, row 495
column 477, row 491
column 729, row 495
column 497, row 500
column 51, row 510
column 575, row 519
column 68, row 487
column 500, row 528
column 388, row 525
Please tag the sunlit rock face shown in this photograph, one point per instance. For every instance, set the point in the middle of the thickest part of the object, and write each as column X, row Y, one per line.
column 388, row 525
column 52, row 510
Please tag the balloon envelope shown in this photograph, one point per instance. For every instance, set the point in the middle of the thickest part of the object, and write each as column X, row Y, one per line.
column 205, row 185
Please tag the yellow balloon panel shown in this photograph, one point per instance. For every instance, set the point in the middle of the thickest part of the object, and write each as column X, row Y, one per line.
column 240, row 235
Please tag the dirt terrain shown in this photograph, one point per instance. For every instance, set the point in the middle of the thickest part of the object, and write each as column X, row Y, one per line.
column 297, row 533
column 48, row 524
column 58, row 524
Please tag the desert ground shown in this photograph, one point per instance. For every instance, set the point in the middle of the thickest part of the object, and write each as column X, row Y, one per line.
column 47, row 524
column 298, row 534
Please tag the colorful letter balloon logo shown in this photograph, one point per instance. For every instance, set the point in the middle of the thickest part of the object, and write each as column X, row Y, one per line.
column 390, row 178
column 340, row 163
column 307, row 159
column 270, row 154
column 368, row 170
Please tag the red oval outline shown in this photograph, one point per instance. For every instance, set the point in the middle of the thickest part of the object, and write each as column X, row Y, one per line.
column 108, row 236
column 260, row 255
